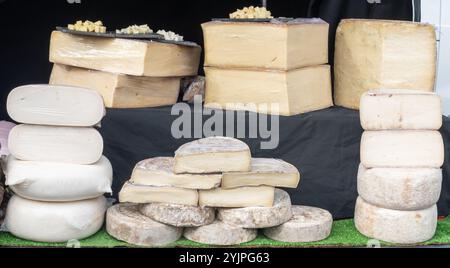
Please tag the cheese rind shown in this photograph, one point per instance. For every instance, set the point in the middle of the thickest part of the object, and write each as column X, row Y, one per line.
column 238, row 198
column 409, row 149
column 179, row 215
column 220, row 234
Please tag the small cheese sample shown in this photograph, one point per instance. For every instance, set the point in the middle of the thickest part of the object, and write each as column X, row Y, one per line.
column 280, row 46
column 259, row 217
column 135, row 29
column 54, row 222
column 58, row 182
column 169, row 35
column 120, row 91
column 179, row 215
column 124, row 222
column 141, row 194
column 268, row 172
column 251, row 12
column 404, row 148
column 238, row 198
column 55, row 105
column 75, row 145
column 124, row 56
column 213, row 155
column 395, row 226
column 159, row 172
column 373, row 54
column 308, row 224
column 88, row 26
column 400, row 109
column 267, row 91
column 220, row 234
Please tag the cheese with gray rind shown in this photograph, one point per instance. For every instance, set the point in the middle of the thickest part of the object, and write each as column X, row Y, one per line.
column 400, row 188
column 395, row 226
column 124, row 222
column 179, row 215
column 55, row 106
column 259, row 217
column 263, row 196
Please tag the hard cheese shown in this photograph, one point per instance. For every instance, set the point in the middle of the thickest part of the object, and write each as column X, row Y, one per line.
column 372, row 54
column 120, row 91
column 116, row 55
column 238, row 198
column 179, row 215
column 267, row 91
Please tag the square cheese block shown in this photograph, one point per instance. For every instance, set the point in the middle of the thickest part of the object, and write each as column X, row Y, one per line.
column 125, row 56
column 401, row 109
column 404, row 148
column 120, row 91
column 74, row 145
column 159, row 172
column 373, row 54
column 142, row 194
column 263, row 196
column 213, row 155
column 55, row 105
column 268, row 172
column 292, row 92
column 282, row 46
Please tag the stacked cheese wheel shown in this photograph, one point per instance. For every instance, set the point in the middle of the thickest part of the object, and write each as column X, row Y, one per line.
column 400, row 177
column 218, row 193
column 56, row 167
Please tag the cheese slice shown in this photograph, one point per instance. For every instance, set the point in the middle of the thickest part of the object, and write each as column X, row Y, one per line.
column 238, row 198
column 220, row 234
column 213, row 155
column 54, row 222
column 179, row 215
column 413, row 149
column 55, row 105
column 125, row 56
column 267, row 91
column 73, row 145
column 58, row 182
column 141, row 194
column 401, row 109
column 372, row 54
column 120, row 91
column 159, row 172
column 269, row 172
column 273, row 45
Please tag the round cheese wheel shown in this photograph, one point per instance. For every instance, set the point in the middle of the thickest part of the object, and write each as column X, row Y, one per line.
column 220, row 234
column 179, row 215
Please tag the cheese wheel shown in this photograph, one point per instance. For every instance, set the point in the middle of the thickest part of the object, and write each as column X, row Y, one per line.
column 220, row 234
column 54, row 222
column 179, row 215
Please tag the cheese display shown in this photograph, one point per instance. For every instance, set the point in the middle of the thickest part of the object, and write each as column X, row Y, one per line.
column 141, row 194
column 56, row 144
column 373, row 54
column 88, row 26
column 268, row 172
column 274, row 45
column 238, row 198
column 179, row 215
column 401, row 109
column 259, row 217
column 58, row 182
column 293, row 92
column 55, row 105
column 54, row 222
column 394, row 226
column 125, row 223
column 251, row 12
column 124, row 56
column 120, row 91
column 213, row 155
column 308, row 224
column 220, row 234
column 417, row 149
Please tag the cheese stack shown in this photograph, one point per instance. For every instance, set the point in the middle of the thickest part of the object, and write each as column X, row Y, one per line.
column 56, row 168
column 400, row 177
column 127, row 73
column 277, row 67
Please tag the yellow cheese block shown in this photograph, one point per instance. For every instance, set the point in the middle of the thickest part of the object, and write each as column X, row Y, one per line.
column 373, row 54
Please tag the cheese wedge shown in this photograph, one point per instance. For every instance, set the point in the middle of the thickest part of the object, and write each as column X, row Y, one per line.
column 238, row 198
column 401, row 109
column 125, row 56
column 266, row 91
column 373, row 54
column 120, row 91
column 282, row 46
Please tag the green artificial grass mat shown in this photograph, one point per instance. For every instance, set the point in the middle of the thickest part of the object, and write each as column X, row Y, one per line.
column 344, row 234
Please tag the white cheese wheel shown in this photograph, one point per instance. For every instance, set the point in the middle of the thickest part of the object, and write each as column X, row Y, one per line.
column 220, row 234
column 179, row 215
